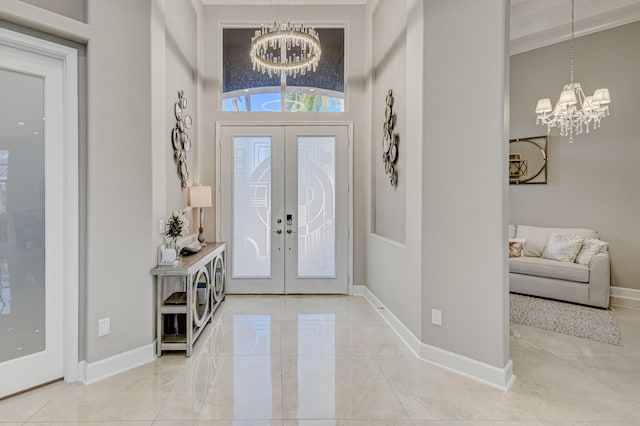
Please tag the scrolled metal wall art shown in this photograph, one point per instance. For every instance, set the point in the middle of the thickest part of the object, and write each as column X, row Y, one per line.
column 390, row 141
column 180, row 138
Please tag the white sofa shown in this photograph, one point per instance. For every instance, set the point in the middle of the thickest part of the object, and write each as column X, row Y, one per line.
column 535, row 275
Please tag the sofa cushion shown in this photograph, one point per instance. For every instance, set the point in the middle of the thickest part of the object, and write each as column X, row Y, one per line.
column 562, row 247
column 589, row 249
column 549, row 269
column 516, row 245
column 537, row 237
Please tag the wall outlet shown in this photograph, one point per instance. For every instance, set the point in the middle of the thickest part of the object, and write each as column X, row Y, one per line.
column 436, row 317
column 161, row 226
column 104, row 327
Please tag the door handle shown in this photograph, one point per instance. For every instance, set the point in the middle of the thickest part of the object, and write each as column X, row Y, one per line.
column 278, row 231
column 289, row 231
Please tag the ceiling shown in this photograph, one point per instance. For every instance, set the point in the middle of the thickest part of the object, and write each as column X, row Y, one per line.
column 534, row 23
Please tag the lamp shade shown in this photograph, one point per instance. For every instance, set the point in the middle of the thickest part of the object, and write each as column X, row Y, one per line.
column 601, row 96
column 568, row 97
column 200, row 196
column 544, row 105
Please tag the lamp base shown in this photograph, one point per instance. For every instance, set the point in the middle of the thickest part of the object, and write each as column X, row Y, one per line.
column 201, row 236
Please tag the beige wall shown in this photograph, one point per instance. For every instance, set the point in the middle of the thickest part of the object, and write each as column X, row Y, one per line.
column 119, row 178
column 592, row 183
column 389, row 72
column 394, row 237
column 464, row 257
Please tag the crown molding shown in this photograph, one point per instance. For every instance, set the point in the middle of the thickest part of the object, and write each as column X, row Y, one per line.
column 554, row 29
column 284, row 2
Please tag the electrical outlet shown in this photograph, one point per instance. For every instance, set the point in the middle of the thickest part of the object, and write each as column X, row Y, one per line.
column 104, row 327
column 161, row 226
column 436, row 317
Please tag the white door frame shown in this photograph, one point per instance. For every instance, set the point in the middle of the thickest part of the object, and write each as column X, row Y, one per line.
column 348, row 124
column 69, row 58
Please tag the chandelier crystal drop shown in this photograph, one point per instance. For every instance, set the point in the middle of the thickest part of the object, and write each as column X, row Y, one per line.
column 574, row 111
column 289, row 48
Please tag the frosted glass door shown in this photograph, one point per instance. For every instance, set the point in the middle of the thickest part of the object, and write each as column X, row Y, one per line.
column 31, row 173
column 316, row 201
column 252, row 182
column 284, row 208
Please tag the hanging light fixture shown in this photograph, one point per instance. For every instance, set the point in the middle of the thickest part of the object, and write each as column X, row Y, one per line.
column 285, row 49
column 573, row 111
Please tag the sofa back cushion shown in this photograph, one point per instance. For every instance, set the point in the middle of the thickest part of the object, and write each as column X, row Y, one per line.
column 537, row 237
column 512, row 231
column 589, row 249
column 562, row 247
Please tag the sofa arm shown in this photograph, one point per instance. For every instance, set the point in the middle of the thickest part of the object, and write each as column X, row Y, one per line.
column 600, row 280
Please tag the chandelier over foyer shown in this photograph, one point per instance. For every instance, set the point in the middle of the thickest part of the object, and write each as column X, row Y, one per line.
column 573, row 111
column 285, row 49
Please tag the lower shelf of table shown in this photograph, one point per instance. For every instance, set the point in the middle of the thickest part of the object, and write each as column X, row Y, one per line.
column 178, row 342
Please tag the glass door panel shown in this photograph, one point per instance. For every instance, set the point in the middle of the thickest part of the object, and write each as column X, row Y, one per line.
column 251, row 198
column 31, row 173
column 22, row 268
column 251, row 207
column 316, row 206
column 316, row 198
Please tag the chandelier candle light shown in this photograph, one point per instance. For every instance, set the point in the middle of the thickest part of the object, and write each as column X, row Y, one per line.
column 285, row 49
column 574, row 110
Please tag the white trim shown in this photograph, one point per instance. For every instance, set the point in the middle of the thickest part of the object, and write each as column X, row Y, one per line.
column 625, row 293
column 285, row 2
column 501, row 378
column 99, row 370
column 589, row 25
column 406, row 335
column 625, row 297
column 69, row 58
column 350, row 231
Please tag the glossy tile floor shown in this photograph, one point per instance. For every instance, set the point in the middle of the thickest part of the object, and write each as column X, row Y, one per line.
column 320, row 361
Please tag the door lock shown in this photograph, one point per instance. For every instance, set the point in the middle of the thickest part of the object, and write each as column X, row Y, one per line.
column 289, row 219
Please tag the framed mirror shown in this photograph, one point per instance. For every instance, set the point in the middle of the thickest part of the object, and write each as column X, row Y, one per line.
column 528, row 160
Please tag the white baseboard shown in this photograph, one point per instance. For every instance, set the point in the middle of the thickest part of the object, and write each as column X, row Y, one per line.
column 406, row 335
column 99, row 370
column 625, row 297
column 502, row 378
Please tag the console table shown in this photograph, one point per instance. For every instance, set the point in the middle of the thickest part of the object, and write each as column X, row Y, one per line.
column 202, row 276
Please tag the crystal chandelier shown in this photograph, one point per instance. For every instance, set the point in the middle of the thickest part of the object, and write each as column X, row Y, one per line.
column 287, row 48
column 573, row 111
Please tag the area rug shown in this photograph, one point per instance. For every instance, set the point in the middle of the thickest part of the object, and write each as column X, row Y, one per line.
column 566, row 318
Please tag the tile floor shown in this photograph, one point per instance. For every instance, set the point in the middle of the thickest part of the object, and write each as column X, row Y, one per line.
column 317, row 361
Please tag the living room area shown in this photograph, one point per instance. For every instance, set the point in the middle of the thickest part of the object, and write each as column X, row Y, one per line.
column 421, row 331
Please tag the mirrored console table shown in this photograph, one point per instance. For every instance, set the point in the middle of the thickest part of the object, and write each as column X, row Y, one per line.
column 183, row 314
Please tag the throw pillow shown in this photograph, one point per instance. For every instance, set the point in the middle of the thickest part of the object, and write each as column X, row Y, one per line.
column 562, row 247
column 589, row 249
column 516, row 246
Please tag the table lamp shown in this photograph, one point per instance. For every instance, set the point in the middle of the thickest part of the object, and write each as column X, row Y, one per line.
column 200, row 197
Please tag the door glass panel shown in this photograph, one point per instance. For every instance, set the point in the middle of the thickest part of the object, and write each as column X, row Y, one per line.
column 251, row 207
column 22, row 267
column 316, row 206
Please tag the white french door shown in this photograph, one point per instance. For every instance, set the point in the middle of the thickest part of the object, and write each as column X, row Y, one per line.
column 36, row 238
column 284, row 208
